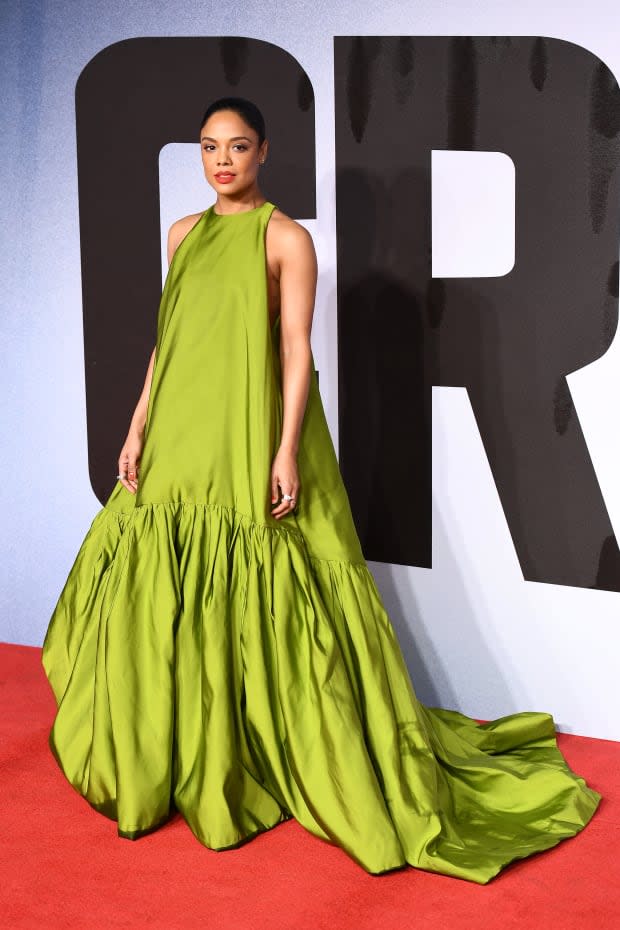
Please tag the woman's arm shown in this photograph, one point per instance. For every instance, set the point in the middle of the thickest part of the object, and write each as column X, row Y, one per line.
column 129, row 459
column 176, row 234
column 131, row 453
column 138, row 419
column 298, row 277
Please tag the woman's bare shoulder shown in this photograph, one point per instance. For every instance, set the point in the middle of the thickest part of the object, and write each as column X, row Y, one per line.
column 179, row 230
column 287, row 234
column 185, row 223
column 283, row 221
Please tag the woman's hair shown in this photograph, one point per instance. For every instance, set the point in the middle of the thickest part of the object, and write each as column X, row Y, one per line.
column 247, row 110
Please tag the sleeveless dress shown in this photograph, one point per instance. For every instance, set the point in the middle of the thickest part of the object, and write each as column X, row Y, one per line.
column 209, row 659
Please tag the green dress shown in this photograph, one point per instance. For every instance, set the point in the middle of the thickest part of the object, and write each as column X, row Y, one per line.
column 209, row 659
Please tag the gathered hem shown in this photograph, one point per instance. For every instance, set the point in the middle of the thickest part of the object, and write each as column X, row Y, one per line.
column 198, row 654
column 248, row 519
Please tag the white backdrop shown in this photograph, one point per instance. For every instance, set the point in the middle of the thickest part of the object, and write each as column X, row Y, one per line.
column 480, row 640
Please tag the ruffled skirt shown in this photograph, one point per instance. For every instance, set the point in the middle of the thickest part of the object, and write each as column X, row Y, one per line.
column 208, row 664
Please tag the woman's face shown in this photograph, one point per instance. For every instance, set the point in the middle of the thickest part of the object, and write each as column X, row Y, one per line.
column 230, row 152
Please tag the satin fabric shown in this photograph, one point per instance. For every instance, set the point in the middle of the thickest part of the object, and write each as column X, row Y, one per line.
column 208, row 658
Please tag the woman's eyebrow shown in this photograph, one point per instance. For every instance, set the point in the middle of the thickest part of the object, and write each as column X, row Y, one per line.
column 232, row 138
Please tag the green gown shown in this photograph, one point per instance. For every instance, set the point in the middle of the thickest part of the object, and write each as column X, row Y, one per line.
column 209, row 659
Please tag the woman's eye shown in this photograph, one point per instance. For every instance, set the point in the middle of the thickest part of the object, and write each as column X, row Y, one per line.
column 209, row 148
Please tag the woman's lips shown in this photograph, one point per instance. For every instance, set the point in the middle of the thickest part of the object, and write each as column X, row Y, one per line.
column 224, row 178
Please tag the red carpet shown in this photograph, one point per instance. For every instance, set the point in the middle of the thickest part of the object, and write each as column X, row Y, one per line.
column 63, row 864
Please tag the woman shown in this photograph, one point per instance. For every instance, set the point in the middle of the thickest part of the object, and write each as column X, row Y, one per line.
column 220, row 647
column 291, row 278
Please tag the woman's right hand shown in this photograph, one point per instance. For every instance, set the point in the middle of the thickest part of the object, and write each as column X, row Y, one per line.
column 129, row 460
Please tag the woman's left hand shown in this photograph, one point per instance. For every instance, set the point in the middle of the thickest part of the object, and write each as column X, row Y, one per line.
column 284, row 474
